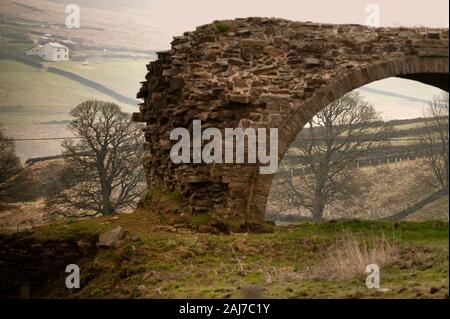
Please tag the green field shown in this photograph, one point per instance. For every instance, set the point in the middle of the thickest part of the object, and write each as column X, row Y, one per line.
column 29, row 95
column 33, row 101
column 292, row 262
column 122, row 76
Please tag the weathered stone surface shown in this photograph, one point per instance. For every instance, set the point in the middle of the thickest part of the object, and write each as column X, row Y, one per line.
column 312, row 62
column 273, row 51
column 243, row 32
column 265, row 73
column 111, row 238
column 253, row 43
column 239, row 98
column 236, row 62
column 263, row 69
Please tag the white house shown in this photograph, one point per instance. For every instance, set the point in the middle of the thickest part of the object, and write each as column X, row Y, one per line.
column 36, row 50
column 51, row 51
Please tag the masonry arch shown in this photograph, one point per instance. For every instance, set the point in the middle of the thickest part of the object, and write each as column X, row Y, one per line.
column 429, row 71
column 263, row 73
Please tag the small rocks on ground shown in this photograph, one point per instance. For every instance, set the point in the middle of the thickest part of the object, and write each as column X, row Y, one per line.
column 112, row 238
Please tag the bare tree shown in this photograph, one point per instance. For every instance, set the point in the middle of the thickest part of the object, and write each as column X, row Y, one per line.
column 103, row 170
column 9, row 164
column 434, row 143
column 327, row 147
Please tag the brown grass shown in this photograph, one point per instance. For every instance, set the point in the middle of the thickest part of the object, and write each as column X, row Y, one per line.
column 351, row 254
column 382, row 191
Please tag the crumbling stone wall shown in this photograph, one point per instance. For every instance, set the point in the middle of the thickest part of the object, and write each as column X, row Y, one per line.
column 260, row 72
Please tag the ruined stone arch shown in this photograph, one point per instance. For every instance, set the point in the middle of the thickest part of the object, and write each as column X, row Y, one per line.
column 260, row 72
column 429, row 71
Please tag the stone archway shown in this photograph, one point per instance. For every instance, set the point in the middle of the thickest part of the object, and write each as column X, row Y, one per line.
column 262, row 73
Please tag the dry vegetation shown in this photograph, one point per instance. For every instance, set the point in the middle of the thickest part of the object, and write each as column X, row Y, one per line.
column 383, row 190
column 174, row 262
column 29, row 188
column 306, row 260
column 352, row 252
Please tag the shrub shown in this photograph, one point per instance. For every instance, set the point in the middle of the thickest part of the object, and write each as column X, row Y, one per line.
column 222, row 28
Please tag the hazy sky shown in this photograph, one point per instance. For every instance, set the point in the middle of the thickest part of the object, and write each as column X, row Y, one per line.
column 398, row 99
column 177, row 16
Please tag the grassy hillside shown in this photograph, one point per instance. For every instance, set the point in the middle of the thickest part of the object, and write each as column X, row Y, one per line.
column 296, row 261
column 380, row 191
column 104, row 23
column 35, row 103
column 29, row 95
column 122, row 76
column 437, row 210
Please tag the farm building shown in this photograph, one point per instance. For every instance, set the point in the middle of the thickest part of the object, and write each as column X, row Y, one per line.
column 51, row 51
column 36, row 50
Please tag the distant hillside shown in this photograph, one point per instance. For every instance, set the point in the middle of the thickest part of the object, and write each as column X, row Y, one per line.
column 437, row 210
column 402, row 138
column 104, row 23
column 390, row 178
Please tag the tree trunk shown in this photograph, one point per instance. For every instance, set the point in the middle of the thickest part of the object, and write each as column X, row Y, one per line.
column 317, row 213
column 318, row 205
column 107, row 206
column 319, row 197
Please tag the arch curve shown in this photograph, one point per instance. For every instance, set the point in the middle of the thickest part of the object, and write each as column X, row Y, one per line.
column 262, row 73
column 430, row 71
